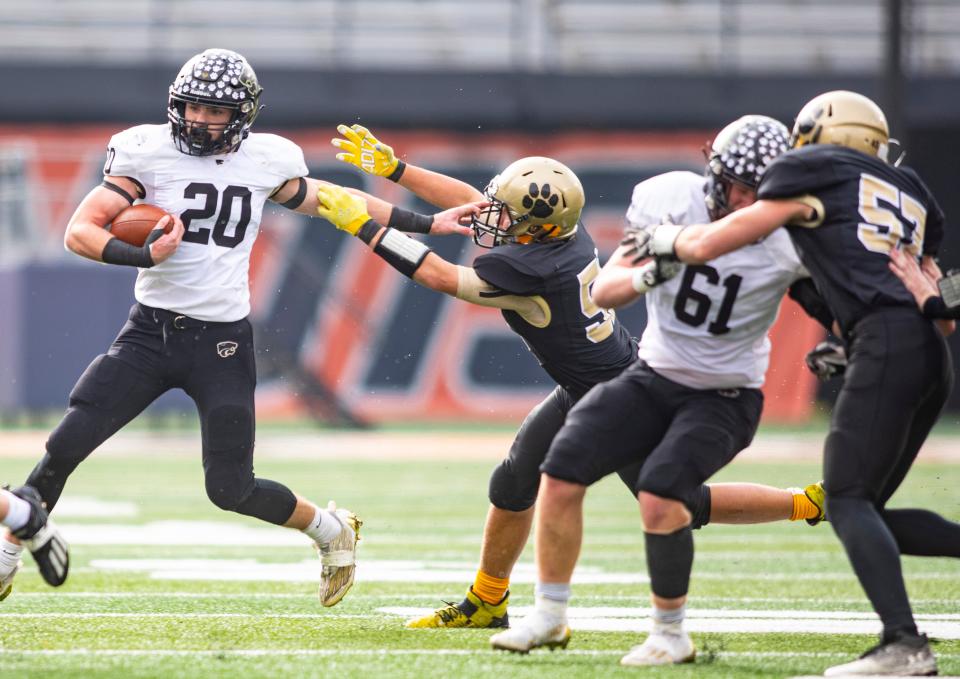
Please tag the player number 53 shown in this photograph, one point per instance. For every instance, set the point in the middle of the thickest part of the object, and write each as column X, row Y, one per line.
column 598, row 330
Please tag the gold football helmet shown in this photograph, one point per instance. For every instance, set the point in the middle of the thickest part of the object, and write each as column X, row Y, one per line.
column 532, row 199
column 843, row 118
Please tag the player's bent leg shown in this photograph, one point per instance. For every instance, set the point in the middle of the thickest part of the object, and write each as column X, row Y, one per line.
column 747, row 503
column 512, row 491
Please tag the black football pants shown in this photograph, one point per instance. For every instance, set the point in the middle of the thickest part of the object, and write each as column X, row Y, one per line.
column 158, row 350
column 898, row 378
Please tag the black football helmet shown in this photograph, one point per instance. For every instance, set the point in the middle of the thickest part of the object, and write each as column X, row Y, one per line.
column 215, row 77
column 741, row 153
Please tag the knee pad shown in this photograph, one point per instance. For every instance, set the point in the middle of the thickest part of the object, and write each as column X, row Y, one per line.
column 510, row 491
column 228, row 456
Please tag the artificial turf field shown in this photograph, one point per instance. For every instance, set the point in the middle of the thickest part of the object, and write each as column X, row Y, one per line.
column 163, row 584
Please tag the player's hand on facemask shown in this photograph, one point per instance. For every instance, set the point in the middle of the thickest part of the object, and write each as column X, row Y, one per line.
column 653, row 240
column 457, row 220
column 361, row 149
column 163, row 245
column 827, row 359
column 344, row 210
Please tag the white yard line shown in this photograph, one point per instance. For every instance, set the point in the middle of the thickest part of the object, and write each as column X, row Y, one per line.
column 387, row 653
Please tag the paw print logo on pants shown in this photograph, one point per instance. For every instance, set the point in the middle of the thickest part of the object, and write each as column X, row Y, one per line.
column 541, row 201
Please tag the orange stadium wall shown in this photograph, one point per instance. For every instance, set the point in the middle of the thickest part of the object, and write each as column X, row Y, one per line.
column 387, row 349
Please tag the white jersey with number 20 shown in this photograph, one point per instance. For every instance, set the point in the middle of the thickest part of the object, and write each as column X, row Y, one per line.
column 707, row 327
column 220, row 199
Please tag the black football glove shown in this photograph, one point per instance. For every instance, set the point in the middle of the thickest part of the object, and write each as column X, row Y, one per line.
column 827, row 359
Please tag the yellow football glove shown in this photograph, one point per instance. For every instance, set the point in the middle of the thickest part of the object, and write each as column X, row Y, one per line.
column 344, row 210
column 361, row 149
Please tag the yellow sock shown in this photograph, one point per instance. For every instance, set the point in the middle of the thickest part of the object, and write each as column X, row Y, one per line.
column 490, row 589
column 803, row 508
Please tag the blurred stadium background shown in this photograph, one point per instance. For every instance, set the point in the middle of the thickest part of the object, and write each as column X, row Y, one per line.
column 618, row 89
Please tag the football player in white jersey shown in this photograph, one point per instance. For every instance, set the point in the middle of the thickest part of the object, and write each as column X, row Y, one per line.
column 685, row 409
column 189, row 327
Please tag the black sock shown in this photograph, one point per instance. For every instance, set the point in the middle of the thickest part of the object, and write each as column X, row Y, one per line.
column 922, row 533
column 669, row 561
column 875, row 558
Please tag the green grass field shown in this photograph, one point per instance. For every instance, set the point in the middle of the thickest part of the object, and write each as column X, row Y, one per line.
column 226, row 596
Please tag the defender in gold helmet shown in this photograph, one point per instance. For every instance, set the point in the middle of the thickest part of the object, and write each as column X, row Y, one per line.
column 845, row 119
column 532, row 199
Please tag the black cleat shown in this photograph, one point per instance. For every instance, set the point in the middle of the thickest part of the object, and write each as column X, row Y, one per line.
column 42, row 538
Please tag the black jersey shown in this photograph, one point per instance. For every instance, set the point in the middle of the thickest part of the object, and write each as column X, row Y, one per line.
column 582, row 344
column 865, row 207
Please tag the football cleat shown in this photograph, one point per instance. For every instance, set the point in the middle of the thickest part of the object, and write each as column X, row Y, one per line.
column 338, row 558
column 661, row 648
column 907, row 656
column 6, row 581
column 41, row 537
column 534, row 631
column 471, row 612
column 817, row 496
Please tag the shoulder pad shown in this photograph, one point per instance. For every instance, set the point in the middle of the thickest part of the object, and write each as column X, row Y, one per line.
column 278, row 155
column 675, row 197
column 132, row 152
column 505, row 268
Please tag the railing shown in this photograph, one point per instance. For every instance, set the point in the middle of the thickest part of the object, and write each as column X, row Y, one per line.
column 702, row 36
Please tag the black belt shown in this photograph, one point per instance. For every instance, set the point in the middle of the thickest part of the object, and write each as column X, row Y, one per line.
column 179, row 321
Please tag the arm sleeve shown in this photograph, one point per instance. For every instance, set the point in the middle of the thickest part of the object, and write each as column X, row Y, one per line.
column 935, row 308
column 508, row 274
column 805, row 293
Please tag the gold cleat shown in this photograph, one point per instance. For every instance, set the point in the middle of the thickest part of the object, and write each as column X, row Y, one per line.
column 817, row 496
column 338, row 558
column 471, row 612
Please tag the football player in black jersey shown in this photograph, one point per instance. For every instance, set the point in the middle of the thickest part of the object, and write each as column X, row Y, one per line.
column 847, row 208
column 540, row 274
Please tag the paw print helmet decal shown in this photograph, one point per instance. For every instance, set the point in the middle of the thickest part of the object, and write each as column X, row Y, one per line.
column 531, row 200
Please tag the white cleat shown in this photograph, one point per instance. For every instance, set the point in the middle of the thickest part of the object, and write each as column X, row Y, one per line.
column 6, row 581
column 534, row 631
column 661, row 648
column 908, row 657
column 338, row 557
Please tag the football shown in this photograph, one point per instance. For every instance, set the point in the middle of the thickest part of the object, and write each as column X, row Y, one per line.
column 135, row 223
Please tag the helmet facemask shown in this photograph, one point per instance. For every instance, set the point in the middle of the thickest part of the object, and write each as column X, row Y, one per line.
column 216, row 78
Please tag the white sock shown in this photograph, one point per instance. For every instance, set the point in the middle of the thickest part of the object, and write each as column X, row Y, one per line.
column 18, row 511
column 324, row 527
column 9, row 555
column 669, row 620
column 551, row 600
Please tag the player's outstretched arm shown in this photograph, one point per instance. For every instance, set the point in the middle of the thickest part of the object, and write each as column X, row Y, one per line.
column 417, row 261
column 87, row 236
column 300, row 195
column 360, row 148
